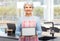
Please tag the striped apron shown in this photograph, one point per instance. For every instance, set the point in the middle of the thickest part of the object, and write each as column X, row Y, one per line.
column 28, row 38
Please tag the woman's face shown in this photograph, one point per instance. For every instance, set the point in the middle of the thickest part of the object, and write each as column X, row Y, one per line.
column 28, row 8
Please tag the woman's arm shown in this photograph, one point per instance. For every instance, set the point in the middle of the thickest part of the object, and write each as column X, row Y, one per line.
column 39, row 30
column 18, row 28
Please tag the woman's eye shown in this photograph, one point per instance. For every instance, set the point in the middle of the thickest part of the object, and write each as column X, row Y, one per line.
column 26, row 7
column 30, row 7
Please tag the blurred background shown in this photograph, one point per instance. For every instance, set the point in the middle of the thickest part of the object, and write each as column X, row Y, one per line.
column 47, row 10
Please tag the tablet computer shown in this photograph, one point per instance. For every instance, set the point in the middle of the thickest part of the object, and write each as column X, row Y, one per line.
column 29, row 31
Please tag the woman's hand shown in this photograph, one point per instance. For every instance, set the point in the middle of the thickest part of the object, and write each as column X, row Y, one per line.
column 22, row 36
column 33, row 36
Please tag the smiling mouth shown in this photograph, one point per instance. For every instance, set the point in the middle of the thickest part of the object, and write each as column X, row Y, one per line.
column 28, row 10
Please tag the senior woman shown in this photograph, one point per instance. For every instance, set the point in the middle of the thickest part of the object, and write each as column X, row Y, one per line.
column 28, row 17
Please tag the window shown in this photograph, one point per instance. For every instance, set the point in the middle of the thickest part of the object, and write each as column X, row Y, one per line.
column 8, row 10
column 56, row 2
column 56, row 9
column 38, row 11
column 57, row 12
